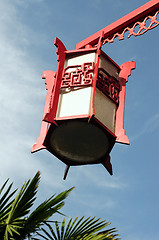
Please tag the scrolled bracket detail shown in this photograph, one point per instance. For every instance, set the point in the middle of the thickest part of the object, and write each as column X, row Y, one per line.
column 131, row 30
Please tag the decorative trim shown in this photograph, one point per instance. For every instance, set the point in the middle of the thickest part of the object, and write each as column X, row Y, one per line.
column 80, row 76
column 108, row 85
column 141, row 26
column 130, row 22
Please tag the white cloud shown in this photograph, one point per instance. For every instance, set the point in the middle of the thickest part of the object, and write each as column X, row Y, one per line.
column 22, row 101
column 18, row 75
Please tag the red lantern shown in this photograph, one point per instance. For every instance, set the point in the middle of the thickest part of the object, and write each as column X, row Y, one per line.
column 84, row 108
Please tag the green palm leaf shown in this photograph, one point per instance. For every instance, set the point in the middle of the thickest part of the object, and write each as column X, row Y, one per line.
column 5, row 205
column 14, row 220
column 21, row 206
column 43, row 212
column 85, row 229
column 5, row 199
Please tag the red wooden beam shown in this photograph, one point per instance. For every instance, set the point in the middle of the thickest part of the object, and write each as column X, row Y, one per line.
column 127, row 21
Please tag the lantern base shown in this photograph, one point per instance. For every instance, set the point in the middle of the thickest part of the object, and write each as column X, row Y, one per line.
column 77, row 142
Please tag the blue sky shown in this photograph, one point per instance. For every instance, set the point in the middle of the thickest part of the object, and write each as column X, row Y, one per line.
column 128, row 199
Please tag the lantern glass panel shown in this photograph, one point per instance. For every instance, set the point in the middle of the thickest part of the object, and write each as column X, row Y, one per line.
column 79, row 59
column 105, row 110
column 75, row 94
column 109, row 65
column 74, row 102
column 105, row 105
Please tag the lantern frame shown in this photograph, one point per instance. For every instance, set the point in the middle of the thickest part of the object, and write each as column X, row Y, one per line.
column 53, row 81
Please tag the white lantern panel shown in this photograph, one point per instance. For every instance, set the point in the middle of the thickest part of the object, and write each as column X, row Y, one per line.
column 108, row 66
column 80, row 59
column 105, row 110
column 74, row 101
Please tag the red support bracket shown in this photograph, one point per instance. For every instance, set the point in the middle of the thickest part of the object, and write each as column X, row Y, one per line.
column 123, row 78
column 49, row 77
column 50, row 116
column 138, row 17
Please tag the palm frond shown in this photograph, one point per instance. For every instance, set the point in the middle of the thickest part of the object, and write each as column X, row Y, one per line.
column 12, row 214
column 22, row 203
column 14, row 220
column 5, row 200
column 44, row 211
column 84, row 229
column 5, row 205
column 25, row 198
